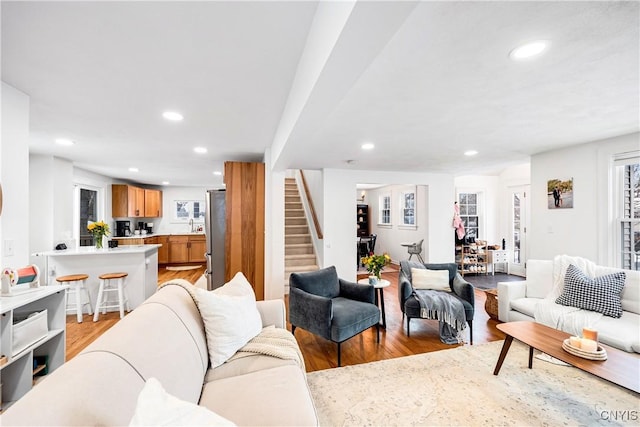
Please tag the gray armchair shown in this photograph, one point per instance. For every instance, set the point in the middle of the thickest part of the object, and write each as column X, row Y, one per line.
column 332, row 308
column 462, row 290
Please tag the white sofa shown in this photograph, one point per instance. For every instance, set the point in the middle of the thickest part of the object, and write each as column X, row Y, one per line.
column 165, row 338
column 534, row 299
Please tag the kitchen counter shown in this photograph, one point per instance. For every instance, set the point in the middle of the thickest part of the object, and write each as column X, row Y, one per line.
column 146, row 236
column 91, row 250
column 140, row 262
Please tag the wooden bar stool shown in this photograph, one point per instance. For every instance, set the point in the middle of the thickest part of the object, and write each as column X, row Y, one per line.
column 77, row 285
column 106, row 286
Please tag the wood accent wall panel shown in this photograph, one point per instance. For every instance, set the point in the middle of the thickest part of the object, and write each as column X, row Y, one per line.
column 244, row 239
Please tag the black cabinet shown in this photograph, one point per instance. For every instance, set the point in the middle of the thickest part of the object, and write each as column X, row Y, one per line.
column 362, row 218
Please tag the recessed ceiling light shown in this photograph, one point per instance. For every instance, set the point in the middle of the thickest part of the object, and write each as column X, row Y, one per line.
column 64, row 141
column 133, row 169
column 172, row 115
column 470, row 153
column 165, row 182
column 368, row 146
column 200, row 150
column 528, row 50
column 217, row 173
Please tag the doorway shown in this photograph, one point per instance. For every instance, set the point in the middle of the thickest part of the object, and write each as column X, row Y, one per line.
column 519, row 222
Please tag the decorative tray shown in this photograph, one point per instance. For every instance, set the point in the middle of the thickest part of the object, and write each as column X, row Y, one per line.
column 600, row 354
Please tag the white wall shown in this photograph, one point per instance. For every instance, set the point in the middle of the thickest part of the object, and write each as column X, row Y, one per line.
column 391, row 237
column 167, row 224
column 581, row 230
column 274, row 230
column 14, row 170
column 339, row 225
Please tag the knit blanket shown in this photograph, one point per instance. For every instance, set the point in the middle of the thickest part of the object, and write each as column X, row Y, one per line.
column 447, row 309
column 274, row 342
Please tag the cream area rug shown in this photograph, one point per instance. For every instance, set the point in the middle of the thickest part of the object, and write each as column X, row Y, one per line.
column 182, row 267
column 457, row 387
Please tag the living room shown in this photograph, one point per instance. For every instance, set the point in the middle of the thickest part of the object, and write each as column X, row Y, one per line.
column 548, row 125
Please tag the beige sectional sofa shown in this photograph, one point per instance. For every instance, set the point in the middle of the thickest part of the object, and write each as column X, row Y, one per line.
column 534, row 300
column 165, row 338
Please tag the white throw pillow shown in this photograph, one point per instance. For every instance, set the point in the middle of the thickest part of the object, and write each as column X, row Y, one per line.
column 437, row 280
column 156, row 407
column 230, row 318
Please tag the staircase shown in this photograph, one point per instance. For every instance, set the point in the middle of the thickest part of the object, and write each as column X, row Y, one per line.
column 298, row 249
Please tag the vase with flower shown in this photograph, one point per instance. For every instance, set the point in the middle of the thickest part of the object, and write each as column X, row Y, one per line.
column 375, row 264
column 98, row 230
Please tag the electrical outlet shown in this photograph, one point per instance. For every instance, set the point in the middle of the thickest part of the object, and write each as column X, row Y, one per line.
column 52, row 271
column 9, row 247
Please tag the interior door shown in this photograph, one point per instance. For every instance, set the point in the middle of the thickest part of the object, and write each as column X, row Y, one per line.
column 517, row 245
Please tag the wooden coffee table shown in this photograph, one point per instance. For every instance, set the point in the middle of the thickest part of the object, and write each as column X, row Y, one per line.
column 620, row 368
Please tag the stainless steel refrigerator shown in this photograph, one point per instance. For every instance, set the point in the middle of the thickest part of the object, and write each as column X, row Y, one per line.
column 215, row 225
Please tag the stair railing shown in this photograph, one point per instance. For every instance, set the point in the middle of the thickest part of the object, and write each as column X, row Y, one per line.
column 307, row 195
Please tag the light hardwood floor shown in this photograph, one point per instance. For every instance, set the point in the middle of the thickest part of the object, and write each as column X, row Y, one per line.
column 318, row 352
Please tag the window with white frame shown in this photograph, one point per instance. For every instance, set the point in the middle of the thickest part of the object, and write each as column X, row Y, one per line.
column 408, row 208
column 627, row 173
column 469, row 213
column 384, row 216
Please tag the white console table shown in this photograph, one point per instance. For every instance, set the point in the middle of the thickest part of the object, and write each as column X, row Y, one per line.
column 17, row 371
column 499, row 256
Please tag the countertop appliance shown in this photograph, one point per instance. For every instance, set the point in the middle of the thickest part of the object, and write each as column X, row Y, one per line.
column 123, row 228
column 149, row 227
column 215, row 226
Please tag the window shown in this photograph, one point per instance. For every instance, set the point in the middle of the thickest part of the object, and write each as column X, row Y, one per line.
column 385, row 210
column 88, row 207
column 408, row 208
column 627, row 172
column 469, row 213
column 186, row 210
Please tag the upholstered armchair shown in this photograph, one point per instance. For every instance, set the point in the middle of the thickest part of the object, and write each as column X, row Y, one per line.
column 461, row 289
column 332, row 308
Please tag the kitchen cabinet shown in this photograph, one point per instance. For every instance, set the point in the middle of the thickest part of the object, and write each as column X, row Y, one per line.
column 18, row 371
column 127, row 201
column 197, row 248
column 163, row 251
column 178, row 249
column 152, row 203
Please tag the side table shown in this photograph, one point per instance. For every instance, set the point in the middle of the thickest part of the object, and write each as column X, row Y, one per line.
column 491, row 304
column 378, row 288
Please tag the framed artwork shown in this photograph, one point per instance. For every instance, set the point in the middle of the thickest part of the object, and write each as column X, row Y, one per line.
column 186, row 210
column 408, row 208
column 560, row 193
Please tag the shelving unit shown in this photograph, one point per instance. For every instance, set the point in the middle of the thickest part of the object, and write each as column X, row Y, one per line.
column 472, row 258
column 362, row 219
column 18, row 373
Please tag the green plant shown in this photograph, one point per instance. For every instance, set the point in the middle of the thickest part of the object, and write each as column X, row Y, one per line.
column 375, row 263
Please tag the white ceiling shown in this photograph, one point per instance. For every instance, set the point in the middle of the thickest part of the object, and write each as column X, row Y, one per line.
column 423, row 81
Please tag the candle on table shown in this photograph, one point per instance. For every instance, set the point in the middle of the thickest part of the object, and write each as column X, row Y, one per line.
column 590, row 334
column 588, row 345
column 575, row 341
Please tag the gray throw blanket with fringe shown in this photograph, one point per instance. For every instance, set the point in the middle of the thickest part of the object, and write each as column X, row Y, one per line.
column 447, row 309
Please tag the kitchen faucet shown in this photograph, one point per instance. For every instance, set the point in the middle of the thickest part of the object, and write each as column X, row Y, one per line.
column 191, row 224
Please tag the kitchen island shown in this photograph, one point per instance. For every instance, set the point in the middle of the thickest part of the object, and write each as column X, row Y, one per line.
column 140, row 262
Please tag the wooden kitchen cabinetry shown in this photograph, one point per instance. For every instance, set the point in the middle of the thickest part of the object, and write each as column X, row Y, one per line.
column 163, row 251
column 178, row 249
column 152, row 203
column 244, row 238
column 129, row 201
column 197, row 248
